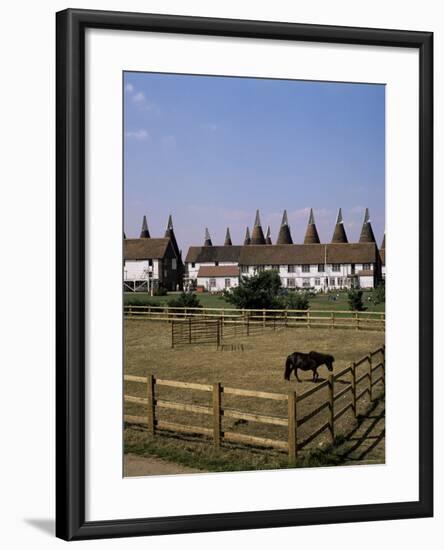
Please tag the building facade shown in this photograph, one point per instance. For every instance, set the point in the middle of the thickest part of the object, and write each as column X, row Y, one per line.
column 311, row 265
column 151, row 263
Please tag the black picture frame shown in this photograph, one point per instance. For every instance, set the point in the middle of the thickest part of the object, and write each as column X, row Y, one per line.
column 70, row 292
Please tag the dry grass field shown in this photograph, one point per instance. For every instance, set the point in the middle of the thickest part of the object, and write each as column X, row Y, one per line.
column 260, row 366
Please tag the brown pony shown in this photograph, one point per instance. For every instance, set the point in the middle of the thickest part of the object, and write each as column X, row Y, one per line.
column 307, row 361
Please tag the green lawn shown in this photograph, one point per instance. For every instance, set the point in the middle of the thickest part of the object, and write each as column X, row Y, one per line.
column 319, row 302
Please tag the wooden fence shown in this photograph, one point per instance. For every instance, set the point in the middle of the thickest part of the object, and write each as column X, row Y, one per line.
column 255, row 318
column 196, row 331
column 357, row 385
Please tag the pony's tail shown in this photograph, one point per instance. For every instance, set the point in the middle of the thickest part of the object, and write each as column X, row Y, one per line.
column 288, row 366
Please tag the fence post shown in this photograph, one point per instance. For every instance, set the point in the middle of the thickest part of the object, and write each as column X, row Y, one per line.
column 172, row 334
column 308, row 319
column 332, row 405
column 357, row 321
column 189, row 330
column 151, row 407
column 218, row 333
column 332, row 319
column 354, row 387
column 248, row 325
column 371, row 376
column 292, row 426
column 217, row 414
column 263, row 318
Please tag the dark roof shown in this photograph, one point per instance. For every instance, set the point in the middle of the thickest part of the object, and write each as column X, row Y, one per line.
column 257, row 235
column 311, row 235
column 365, row 273
column 339, row 235
column 367, row 235
column 142, row 249
column 228, row 238
column 202, row 254
column 284, row 236
column 144, row 233
column 307, row 254
column 218, row 271
column 285, row 254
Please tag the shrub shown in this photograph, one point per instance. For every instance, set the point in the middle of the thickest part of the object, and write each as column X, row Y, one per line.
column 378, row 294
column 257, row 292
column 355, row 300
column 296, row 300
column 185, row 299
column 160, row 291
column 135, row 300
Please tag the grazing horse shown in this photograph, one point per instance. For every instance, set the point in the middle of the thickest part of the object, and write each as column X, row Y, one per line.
column 307, row 361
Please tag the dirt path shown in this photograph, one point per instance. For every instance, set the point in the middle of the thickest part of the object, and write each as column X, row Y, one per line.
column 136, row 466
column 366, row 444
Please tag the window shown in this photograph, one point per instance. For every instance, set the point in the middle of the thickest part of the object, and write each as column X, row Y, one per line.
column 306, row 283
column 291, row 268
column 150, row 263
column 212, row 283
column 227, row 283
column 275, row 267
column 174, row 263
column 193, row 264
column 305, row 268
column 291, row 283
column 244, row 268
column 366, row 267
column 336, row 267
column 321, row 268
column 260, row 268
column 317, row 281
column 216, row 263
column 332, row 281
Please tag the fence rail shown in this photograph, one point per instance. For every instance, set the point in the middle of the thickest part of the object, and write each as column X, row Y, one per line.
column 250, row 319
column 293, row 421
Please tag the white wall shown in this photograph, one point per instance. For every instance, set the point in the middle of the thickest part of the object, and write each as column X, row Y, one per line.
column 220, row 283
column 27, row 352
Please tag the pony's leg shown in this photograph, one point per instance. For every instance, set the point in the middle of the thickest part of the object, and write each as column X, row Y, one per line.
column 315, row 375
column 296, row 374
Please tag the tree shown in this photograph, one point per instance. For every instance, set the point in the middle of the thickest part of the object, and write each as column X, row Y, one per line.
column 257, row 292
column 296, row 300
column 186, row 299
column 378, row 294
column 355, row 300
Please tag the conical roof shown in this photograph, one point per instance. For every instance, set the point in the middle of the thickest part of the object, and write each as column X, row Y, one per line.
column 311, row 235
column 257, row 236
column 339, row 235
column 247, row 239
column 144, row 233
column 284, row 236
column 268, row 236
column 228, row 238
column 169, row 233
column 367, row 235
column 207, row 238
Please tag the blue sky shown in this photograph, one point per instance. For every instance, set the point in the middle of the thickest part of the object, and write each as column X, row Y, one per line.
column 211, row 150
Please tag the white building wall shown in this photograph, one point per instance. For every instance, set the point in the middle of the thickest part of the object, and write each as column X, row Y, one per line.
column 366, row 281
column 136, row 270
column 328, row 279
column 193, row 271
column 219, row 281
